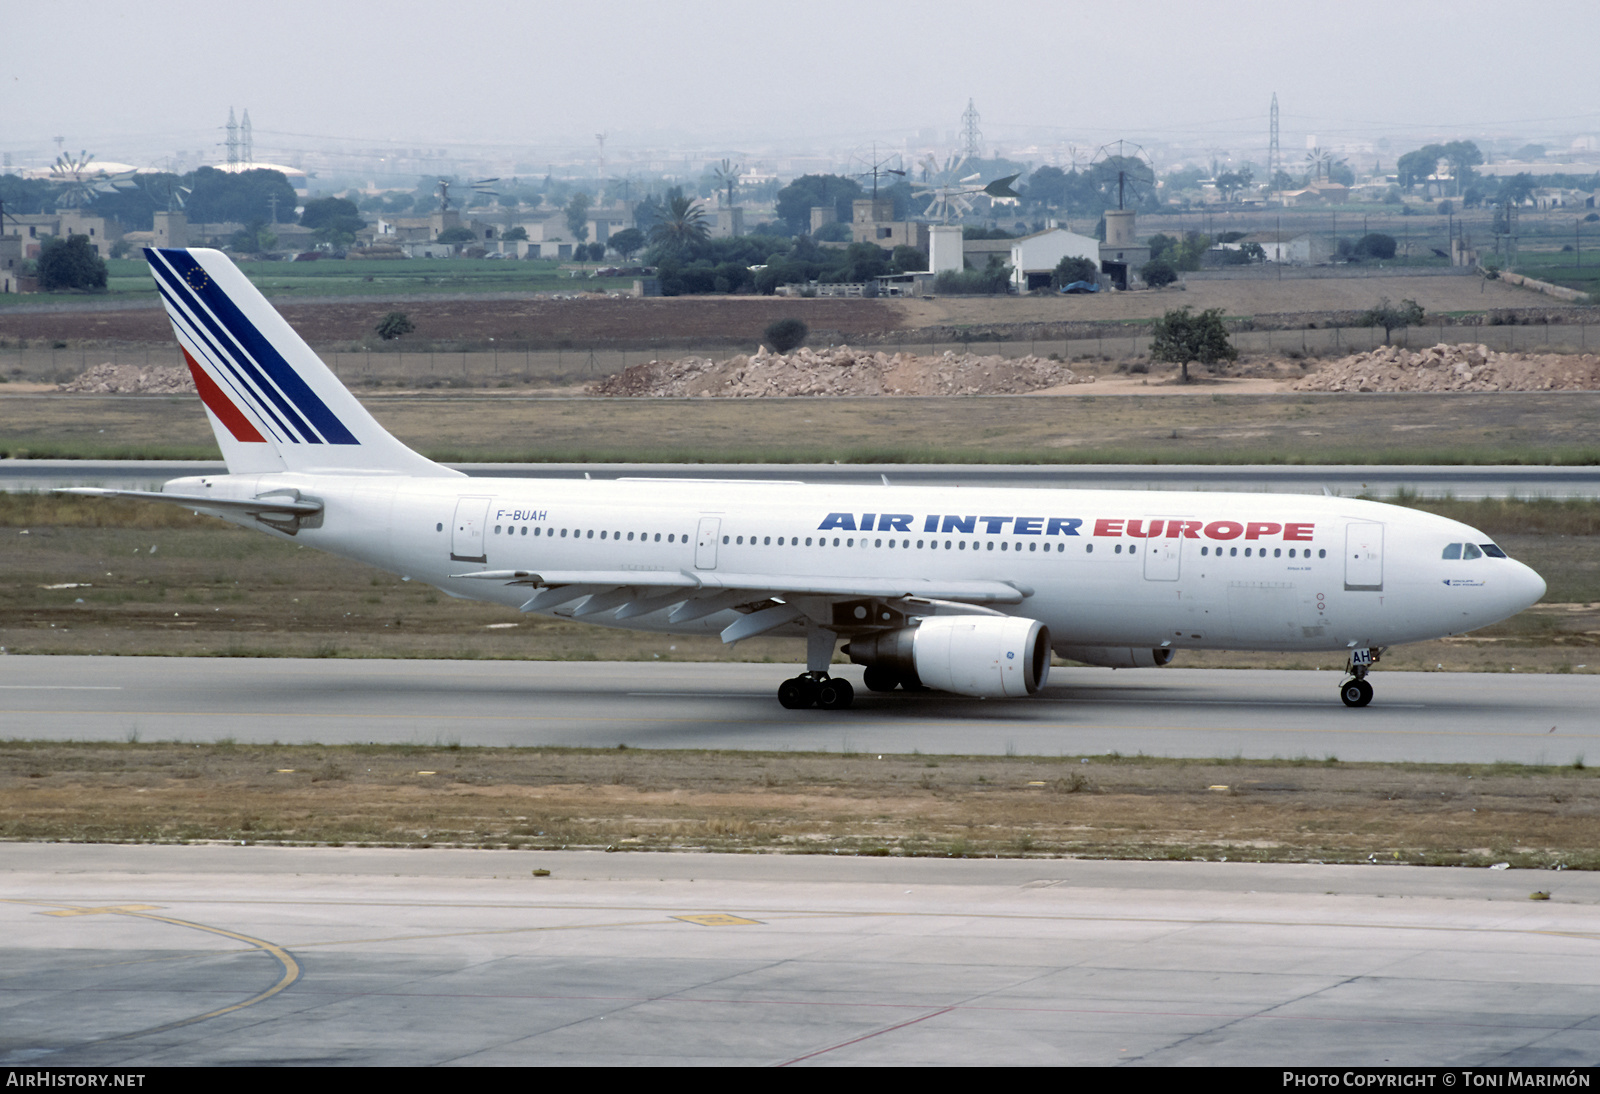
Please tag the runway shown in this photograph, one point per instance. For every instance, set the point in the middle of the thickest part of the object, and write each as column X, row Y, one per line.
column 1379, row 481
column 1425, row 717
column 141, row 956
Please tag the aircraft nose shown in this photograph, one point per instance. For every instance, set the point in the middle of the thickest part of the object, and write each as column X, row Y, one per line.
column 1528, row 588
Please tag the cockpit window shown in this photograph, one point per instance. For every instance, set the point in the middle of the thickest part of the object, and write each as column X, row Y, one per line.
column 1470, row 550
column 1492, row 551
column 1452, row 551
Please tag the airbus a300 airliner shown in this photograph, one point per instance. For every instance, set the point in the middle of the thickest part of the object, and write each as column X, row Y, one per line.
column 961, row 590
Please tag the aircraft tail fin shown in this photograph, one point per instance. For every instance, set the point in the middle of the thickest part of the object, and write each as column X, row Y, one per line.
column 273, row 404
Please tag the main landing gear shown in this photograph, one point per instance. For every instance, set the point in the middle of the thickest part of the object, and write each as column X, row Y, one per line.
column 1356, row 691
column 816, row 689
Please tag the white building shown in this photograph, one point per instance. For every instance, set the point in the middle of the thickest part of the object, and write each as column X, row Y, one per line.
column 1035, row 257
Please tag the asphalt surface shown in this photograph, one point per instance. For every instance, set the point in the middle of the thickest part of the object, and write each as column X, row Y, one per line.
column 1467, row 483
column 137, row 956
column 1198, row 713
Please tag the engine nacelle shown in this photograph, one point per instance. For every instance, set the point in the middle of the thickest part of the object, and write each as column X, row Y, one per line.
column 1113, row 657
column 984, row 656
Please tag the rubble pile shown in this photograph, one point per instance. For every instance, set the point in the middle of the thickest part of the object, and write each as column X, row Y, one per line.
column 1464, row 367
column 110, row 379
column 839, row 370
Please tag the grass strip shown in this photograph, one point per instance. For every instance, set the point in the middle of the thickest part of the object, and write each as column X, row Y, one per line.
column 1105, row 806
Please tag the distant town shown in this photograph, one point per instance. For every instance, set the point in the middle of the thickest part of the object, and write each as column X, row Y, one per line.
column 913, row 217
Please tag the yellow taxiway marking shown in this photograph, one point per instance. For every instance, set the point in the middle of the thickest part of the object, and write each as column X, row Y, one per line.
column 291, row 967
column 718, row 919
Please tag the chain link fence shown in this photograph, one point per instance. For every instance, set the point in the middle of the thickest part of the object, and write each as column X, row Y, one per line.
column 519, row 367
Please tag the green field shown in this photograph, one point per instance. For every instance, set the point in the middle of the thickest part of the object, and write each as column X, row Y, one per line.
column 129, row 278
column 1533, row 428
column 1563, row 268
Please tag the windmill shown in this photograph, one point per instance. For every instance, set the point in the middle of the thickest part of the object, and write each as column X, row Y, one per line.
column 943, row 186
column 867, row 165
column 1125, row 164
column 482, row 188
column 80, row 184
column 950, row 192
column 1320, row 164
column 169, row 191
column 727, row 175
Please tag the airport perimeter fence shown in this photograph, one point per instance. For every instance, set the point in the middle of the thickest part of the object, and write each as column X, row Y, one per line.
column 511, row 367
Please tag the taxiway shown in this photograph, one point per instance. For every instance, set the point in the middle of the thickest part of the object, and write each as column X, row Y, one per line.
column 1424, row 717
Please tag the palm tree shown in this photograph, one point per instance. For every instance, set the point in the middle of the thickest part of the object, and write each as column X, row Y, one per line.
column 682, row 224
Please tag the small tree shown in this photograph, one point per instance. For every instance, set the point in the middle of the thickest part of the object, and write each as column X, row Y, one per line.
column 456, row 235
column 627, row 242
column 70, row 264
column 578, row 216
column 396, row 324
column 1158, row 273
column 1376, row 245
column 1393, row 317
column 1230, row 183
column 1182, row 337
column 518, row 232
column 784, row 335
column 1071, row 269
column 907, row 259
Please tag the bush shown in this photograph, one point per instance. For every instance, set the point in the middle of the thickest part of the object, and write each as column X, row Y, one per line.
column 1072, row 269
column 70, row 264
column 394, row 325
column 784, row 335
column 1158, row 274
column 1376, row 245
column 1182, row 337
column 992, row 280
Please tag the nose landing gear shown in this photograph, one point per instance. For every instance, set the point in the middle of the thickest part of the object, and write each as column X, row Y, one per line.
column 1356, row 691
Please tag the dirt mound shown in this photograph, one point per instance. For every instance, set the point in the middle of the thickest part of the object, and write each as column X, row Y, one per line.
column 109, row 379
column 839, row 371
column 1464, row 367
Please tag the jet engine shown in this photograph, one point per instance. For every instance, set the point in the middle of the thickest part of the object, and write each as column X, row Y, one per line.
column 986, row 656
column 1113, row 657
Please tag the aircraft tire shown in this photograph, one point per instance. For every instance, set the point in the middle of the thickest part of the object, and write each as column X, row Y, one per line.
column 797, row 693
column 1355, row 693
column 836, row 693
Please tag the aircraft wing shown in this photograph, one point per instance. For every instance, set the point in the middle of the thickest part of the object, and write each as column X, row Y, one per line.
column 765, row 599
column 977, row 592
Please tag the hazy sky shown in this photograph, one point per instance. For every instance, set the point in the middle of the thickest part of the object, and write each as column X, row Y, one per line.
column 130, row 79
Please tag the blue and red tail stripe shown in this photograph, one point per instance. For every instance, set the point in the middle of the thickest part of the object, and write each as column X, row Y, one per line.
column 218, row 403
column 266, row 383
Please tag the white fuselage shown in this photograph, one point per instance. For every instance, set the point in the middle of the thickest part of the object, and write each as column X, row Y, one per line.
column 1222, row 571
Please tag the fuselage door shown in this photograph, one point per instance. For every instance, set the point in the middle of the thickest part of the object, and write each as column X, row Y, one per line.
column 705, row 543
column 1363, row 557
column 1163, row 551
column 466, row 537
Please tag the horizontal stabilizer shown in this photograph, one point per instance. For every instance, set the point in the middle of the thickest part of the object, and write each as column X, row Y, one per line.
column 275, row 503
